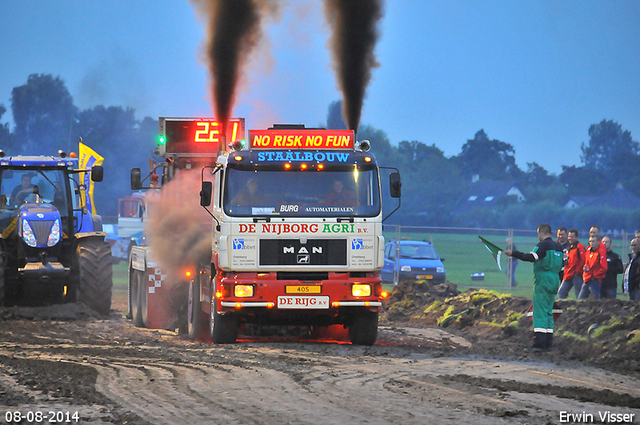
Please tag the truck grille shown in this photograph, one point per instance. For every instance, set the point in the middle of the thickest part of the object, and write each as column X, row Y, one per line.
column 41, row 230
column 316, row 252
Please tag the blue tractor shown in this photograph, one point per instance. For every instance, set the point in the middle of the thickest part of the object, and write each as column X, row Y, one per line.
column 52, row 249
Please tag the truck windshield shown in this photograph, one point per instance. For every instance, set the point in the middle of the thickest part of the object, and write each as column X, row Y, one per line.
column 302, row 194
column 16, row 186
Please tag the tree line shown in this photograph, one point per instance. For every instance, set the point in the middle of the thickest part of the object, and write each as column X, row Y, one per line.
column 46, row 120
column 434, row 185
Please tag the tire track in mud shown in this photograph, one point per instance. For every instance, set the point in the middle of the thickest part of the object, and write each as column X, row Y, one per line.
column 154, row 377
column 589, row 395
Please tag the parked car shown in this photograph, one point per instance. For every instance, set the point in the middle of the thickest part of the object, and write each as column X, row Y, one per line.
column 417, row 260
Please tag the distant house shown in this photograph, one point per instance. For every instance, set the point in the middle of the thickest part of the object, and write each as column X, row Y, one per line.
column 486, row 194
column 619, row 198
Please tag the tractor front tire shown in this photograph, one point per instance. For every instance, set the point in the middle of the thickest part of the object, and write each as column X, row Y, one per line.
column 95, row 274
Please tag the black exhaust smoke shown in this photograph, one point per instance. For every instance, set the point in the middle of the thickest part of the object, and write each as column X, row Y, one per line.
column 352, row 43
column 233, row 31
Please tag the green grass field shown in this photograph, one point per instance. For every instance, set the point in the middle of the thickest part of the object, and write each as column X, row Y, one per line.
column 120, row 277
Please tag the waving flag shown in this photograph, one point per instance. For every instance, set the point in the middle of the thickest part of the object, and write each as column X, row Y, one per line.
column 88, row 158
column 495, row 250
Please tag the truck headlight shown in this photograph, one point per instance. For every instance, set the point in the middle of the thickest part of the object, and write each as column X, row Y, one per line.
column 54, row 235
column 243, row 291
column 27, row 234
column 439, row 269
column 359, row 290
column 405, row 268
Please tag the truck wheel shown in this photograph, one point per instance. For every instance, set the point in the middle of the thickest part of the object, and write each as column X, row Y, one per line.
column 197, row 320
column 135, row 294
column 95, row 273
column 143, row 300
column 223, row 328
column 364, row 329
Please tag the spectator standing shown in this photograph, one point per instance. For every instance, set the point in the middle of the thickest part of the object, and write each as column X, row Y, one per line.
column 614, row 268
column 563, row 241
column 595, row 269
column 631, row 279
column 595, row 231
column 547, row 262
column 562, row 237
column 573, row 266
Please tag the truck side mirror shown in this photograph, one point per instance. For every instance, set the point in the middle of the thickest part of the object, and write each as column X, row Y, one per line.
column 395, row 185
column 205, row 194
column 136, row 182
column 97, row 173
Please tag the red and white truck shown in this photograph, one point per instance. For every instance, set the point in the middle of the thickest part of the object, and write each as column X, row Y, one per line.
column 297, row 232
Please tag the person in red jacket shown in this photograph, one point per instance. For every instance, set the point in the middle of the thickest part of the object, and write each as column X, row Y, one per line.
column 595, row 269
column 574, row 265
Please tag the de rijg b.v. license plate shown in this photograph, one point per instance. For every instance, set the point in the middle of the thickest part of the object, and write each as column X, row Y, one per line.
column 303, row 301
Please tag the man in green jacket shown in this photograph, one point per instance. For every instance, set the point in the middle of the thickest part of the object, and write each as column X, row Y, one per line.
column 547, row 259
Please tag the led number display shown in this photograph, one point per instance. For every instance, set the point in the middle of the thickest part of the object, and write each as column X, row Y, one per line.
column 198, row 135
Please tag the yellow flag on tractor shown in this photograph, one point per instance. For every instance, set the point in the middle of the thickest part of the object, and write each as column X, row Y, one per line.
column 87, row 159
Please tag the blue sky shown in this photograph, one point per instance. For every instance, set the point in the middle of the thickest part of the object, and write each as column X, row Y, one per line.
column 535, row 74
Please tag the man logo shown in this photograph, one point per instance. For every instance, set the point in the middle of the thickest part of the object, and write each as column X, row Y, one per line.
column 304, row 259
column 238, row 244
column 356, row 244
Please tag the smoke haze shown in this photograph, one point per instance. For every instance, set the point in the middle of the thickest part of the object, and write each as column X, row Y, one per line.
column 179, row 228
column 352, row 43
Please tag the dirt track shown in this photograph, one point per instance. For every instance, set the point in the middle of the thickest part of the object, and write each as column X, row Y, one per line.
column 111, row 372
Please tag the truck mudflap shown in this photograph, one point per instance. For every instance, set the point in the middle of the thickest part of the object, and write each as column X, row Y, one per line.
column 162, row 308
column 157, row 297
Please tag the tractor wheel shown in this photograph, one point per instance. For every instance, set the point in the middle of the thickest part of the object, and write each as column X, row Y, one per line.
column 364, row 329
column 95, row 274
column 223, row 328
column 196, row 319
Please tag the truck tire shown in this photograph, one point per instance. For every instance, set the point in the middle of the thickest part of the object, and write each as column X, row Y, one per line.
column 136, row 298
column 196, row 318
column 364, row 329
column 223, row 328
column 95, row 274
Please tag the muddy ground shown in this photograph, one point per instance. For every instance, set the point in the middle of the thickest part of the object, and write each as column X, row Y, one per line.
column 473, row 370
